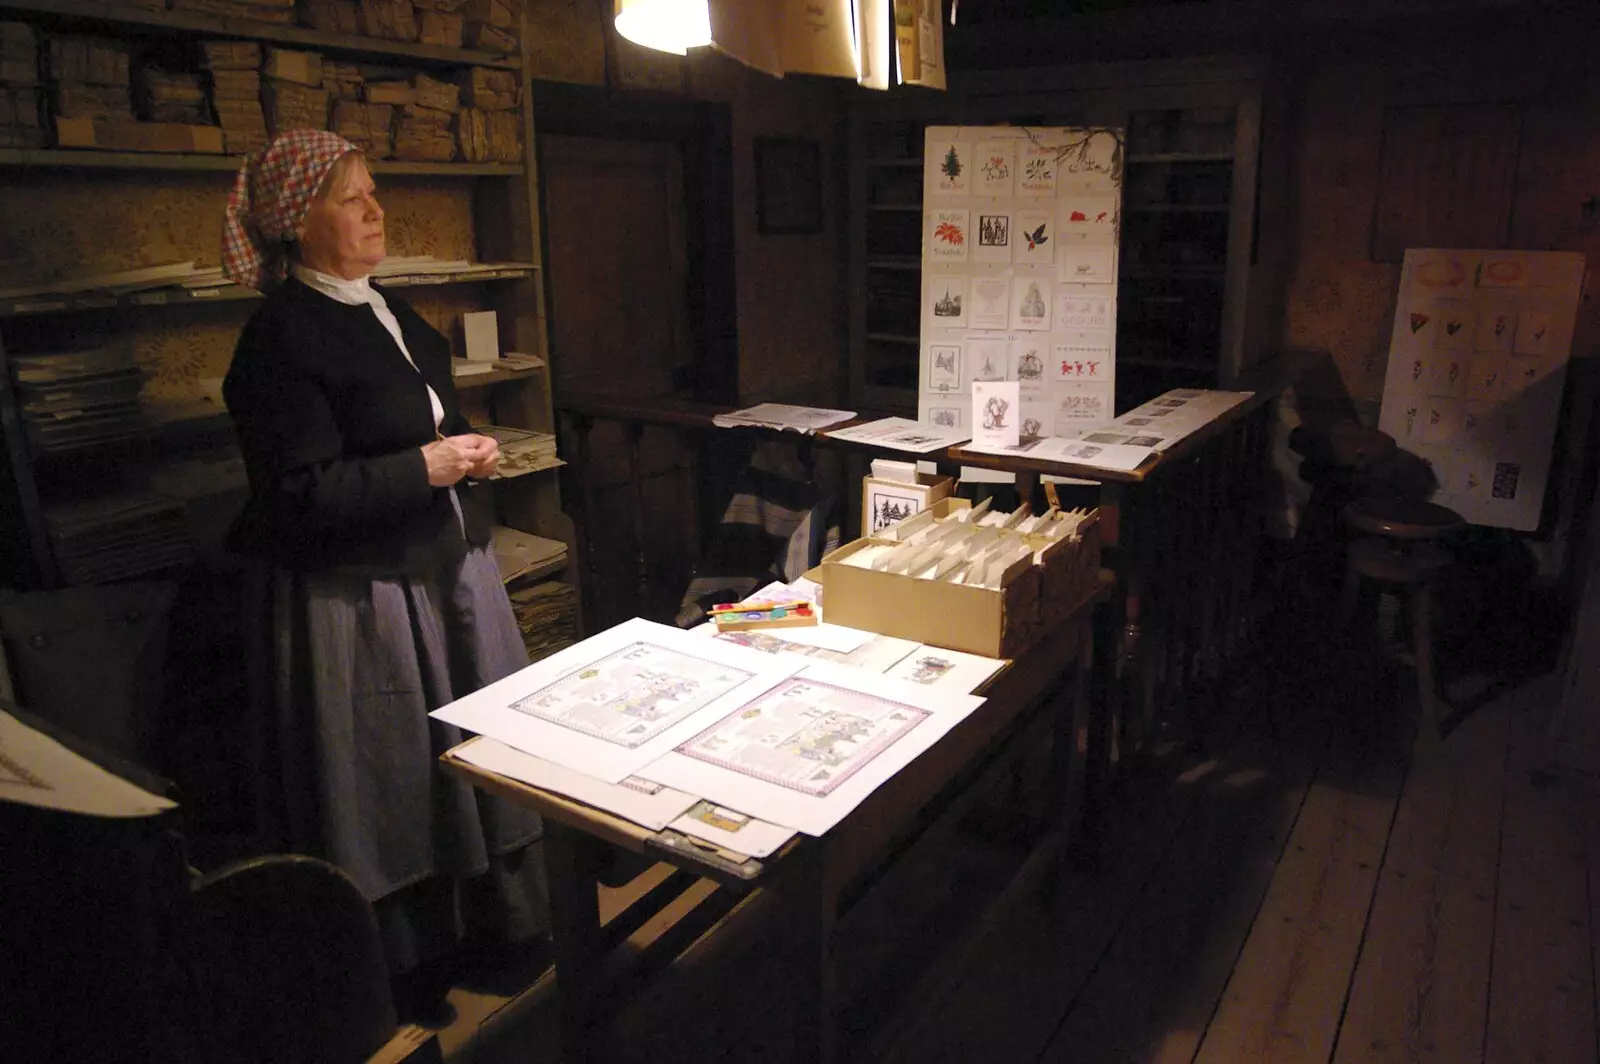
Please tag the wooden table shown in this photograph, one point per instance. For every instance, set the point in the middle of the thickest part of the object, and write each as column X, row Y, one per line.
column 816, row 879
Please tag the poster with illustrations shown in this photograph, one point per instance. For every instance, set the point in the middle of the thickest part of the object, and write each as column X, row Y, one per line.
column 1477, row 363
column 1019, row 259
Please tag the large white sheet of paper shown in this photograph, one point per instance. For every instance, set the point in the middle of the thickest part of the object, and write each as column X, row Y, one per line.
column 642, row 801
column 1477, row 365
column 38, row 771
column 809, row 749
column 782, row 416
column 900, row 434
column 945, row 670
column 731, row 829
column 613, row 703
column 1168, row 418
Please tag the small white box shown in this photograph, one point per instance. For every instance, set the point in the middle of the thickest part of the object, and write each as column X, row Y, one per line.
column 481, row 330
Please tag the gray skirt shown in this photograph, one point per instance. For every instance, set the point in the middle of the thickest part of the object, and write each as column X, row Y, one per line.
column 356, row 665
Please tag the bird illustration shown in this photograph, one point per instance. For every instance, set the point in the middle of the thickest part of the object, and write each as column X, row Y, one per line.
column 1037, row 237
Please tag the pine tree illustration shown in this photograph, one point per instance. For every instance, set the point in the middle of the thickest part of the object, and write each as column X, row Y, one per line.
column 952, row 164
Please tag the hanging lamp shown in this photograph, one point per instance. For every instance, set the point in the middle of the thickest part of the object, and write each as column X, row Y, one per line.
column 665, row 25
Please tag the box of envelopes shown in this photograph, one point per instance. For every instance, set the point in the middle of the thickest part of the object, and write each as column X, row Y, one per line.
column 962, row 578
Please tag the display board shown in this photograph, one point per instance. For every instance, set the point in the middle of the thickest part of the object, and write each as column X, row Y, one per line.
column 1477, row 363
column 1019, row 273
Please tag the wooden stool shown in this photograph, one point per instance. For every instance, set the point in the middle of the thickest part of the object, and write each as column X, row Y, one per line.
column 1398, row 550
column 1335, row 462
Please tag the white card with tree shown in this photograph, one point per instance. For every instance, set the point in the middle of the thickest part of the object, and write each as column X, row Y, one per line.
column 950, row 168
column 947, row 301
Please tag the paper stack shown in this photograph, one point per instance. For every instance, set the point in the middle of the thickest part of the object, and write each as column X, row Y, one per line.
column 79, row 399
column 806, row 419
column 171, row 96
column 424, row 130
column 117, row 536
column 441, row 22
column 519, row 553
column 88, row 78
column 547, row 615
column 521, row 450
column 330, row 16
column 20, row 125
column 493, row 25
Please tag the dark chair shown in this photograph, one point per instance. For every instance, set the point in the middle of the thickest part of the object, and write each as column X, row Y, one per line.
column 290, row 967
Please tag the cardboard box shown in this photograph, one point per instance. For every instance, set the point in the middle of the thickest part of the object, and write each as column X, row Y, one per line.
column 1036, row 593
column 138, row 136
column 994, row 622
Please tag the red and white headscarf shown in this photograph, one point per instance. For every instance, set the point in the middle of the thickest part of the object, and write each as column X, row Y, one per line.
column 270, row 199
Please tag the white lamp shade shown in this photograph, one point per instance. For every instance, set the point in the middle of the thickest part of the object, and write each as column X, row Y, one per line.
column 665, row 25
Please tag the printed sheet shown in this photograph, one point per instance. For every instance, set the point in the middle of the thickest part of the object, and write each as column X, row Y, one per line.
column 38, row 771
column 807, row 750
column 946, row 670
column 645, row 803
column 1477, row 365
column 613, row 703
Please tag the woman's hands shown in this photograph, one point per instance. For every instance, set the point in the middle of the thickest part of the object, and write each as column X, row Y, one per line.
column 454, row 457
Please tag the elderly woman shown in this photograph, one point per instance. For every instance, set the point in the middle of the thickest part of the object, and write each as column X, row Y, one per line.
column 384, row 600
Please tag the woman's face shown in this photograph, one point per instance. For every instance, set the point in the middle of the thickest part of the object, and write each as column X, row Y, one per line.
column 343, row 231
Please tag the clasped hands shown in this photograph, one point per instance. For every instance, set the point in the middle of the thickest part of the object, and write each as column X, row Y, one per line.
column 453, row 457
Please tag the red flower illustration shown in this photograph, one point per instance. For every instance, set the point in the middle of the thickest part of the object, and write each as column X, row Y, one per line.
column 950, row 233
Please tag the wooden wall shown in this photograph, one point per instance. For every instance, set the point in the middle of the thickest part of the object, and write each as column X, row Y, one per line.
column 789, row 286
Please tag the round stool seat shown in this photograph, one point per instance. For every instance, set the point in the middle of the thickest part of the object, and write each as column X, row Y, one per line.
column 1401, row 518
column 1353, row 444
column 1397, row 563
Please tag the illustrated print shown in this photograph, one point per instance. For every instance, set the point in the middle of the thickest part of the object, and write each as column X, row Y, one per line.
column 1088, row 213
column 947, row 235
column 1030, row 367
column 991, row 303
column 1086, row 265
column 1454, row 332
column 888, row 508
column 994, row 230
column 1143, row 441
column 1506, row 475
column 944, row 368
column 1418, row 320
column 1502, row 273
column 1034, row 246
column 1534, row 335
column 949, row 166
column 1039, row 167
column 994, row 413
column 987, row 359
column 929, row 669
column 1497, row 329
column 1092, row 315
column 1032, row 426
column 945, row 417
column 949, row 301
column 1031, row 309
column 1076, row 362
column 1440, row 272
column 995, row 167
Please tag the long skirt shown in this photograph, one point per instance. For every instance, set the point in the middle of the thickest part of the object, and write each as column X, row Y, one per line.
column 356, row 664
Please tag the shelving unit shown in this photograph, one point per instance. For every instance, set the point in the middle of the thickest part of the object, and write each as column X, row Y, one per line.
column 1185, row 237
column 485, row 213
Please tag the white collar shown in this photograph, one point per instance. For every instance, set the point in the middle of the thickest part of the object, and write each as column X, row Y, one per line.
column 354, row 293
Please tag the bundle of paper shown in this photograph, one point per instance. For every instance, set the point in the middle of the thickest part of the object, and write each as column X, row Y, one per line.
column 805, row 419
column 79, row 399
column 519, row 553
column 329, row 16
column 394, row 20
column 547, row 615
column 441, row 28
column 521, row 450
column 344, row 81
column 489, row 136
column 171, row 96
column 117, row 536
column 280, row 12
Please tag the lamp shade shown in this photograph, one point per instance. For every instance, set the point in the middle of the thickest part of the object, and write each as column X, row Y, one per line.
column 665, row 25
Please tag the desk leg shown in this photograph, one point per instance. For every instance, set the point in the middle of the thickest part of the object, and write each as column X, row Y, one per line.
column 811, row 906
column 1069, row 746
column 571, row 858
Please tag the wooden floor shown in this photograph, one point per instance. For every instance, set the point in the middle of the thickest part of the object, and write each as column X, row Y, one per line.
column 1306, row 880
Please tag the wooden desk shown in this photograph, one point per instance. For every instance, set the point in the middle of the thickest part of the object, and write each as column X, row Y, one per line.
column 817, row 878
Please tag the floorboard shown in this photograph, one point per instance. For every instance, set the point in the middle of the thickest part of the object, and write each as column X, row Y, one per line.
column 1541, row 997
column 1421, row 986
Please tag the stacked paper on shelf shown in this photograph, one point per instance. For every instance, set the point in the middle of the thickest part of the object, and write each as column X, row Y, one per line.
column 521, row 450
column 805, row 419
column 330, row 16
column 117, row 536
column 21, row 125
column 519, row 553
column 547, row 615
column 79, row 399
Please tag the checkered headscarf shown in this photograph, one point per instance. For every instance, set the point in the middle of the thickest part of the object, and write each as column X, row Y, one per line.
column 270, row 198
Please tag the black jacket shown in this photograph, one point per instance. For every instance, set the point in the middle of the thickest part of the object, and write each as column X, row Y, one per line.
column 331, row 419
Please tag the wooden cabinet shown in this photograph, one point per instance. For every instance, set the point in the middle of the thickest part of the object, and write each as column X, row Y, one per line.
column 1190, row 155
column 67, row 212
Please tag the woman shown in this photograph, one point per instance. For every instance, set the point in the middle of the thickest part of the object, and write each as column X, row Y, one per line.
column 385, row 601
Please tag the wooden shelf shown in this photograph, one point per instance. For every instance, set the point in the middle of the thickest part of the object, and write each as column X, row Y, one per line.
column 894, row 262
column 116, row 160
column 107, row 13
column 165, row 297
column 496, row 376
column 893, row 338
